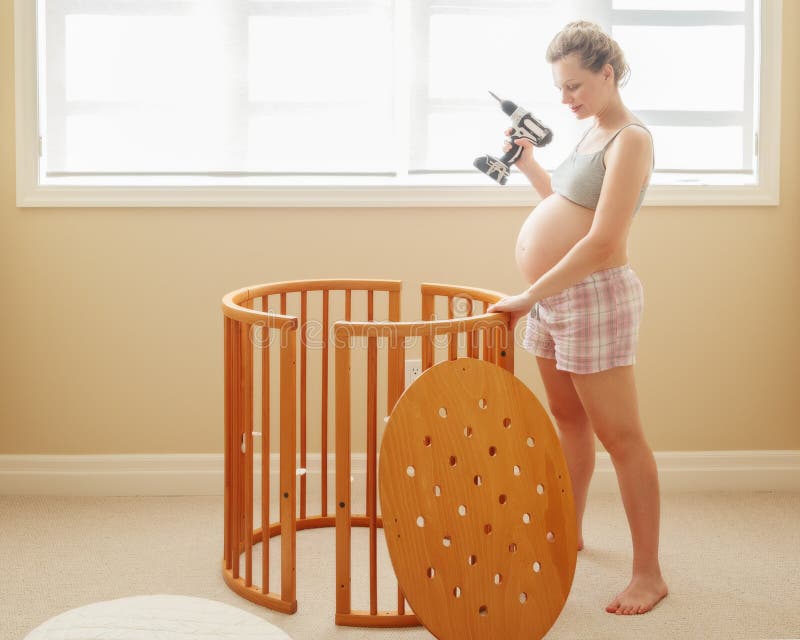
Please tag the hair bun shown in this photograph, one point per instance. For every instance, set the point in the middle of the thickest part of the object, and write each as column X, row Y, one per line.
column 594, row 47
column 585, row 24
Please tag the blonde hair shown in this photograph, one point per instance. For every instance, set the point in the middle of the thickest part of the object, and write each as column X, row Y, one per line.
column 592, row 45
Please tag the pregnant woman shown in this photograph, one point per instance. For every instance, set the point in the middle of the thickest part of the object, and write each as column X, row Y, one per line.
column 585, row 303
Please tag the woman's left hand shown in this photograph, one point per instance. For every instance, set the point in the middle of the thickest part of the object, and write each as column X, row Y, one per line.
column 515, row 306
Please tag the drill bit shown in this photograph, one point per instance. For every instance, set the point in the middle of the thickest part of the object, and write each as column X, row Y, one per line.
column 495, row 97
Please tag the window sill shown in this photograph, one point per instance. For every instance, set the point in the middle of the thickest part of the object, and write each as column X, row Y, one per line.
column 454, row 190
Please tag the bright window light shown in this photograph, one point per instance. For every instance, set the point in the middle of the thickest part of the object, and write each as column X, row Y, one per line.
column 707, row 66
column 723, row 147
column 680, row 5
column 373, row 92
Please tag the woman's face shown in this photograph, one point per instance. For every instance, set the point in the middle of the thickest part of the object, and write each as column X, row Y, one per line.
column 583, row 91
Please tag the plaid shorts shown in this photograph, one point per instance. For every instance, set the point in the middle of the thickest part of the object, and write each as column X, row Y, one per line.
column 592, row 326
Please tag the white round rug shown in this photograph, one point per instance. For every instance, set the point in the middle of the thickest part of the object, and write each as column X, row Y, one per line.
column 159, row 617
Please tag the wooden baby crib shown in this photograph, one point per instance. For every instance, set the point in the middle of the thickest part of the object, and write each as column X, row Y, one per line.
column 252, row 330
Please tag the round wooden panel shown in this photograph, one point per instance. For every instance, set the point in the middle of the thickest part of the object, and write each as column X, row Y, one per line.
column 477, row 504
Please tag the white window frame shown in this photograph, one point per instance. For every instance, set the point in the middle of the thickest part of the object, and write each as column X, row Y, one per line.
column 436, row 190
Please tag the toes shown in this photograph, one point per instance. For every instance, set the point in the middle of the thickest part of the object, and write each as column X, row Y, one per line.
column 632, row 602
column 622, row 608
column 634, row 610
column 615, row 604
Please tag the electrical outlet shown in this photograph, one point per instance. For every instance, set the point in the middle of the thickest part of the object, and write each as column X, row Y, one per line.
column 413, row 371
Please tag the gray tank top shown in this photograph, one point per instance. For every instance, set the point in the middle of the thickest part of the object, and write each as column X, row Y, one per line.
column 580, row 177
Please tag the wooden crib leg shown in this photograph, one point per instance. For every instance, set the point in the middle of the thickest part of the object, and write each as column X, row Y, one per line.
column 288, row 468
column 343, row 508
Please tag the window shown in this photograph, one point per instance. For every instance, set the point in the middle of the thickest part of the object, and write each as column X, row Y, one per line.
column 195, row 87
column 375, row 102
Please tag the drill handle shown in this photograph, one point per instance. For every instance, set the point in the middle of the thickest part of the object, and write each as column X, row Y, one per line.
column 513, row 154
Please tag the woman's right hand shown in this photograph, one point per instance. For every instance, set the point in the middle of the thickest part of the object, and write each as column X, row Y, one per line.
column 526, row 157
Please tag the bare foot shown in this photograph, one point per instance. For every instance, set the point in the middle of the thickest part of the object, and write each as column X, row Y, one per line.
column 640, row 596
column 580, row 542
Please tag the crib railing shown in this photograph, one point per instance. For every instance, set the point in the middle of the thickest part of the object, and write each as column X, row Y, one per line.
column 252, row 326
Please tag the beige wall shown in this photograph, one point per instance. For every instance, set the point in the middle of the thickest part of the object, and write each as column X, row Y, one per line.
column 111, row 332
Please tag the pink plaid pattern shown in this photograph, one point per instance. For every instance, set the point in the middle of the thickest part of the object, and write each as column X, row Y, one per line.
column 592, row 326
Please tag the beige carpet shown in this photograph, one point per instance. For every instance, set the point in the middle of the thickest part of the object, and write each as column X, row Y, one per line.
column 732, row 562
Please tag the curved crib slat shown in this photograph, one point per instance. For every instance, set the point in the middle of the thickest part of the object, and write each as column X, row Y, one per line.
column 248, row 329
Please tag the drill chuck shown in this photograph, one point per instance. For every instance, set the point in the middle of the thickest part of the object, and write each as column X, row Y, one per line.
column 507, row 106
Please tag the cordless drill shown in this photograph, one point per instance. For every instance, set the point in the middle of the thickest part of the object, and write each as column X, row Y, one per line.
column 524, row 125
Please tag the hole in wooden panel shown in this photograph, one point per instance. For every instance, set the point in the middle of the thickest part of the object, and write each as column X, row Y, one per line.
column 530, row 442
column 493, row 451
column 507, row 423
column 437, row 490
column 523, row 598
column 420, row 522
column 467, row 432
column 498, row 578
column 447, row 541
column 426, row 441
column 443, row 412
column 478, row 480
column 526, row 518
column 411, row 471
column 540, row 489
column 472, row 560
column 517, row 470
column 483, row 611
column 487, row 529
column 512, row 548
column 537, row 567
column 457, row 592
column 431, row 572
column 453, row 461
column 550, row 536
column 503, row 499
column 482, row 403
column 462, row 509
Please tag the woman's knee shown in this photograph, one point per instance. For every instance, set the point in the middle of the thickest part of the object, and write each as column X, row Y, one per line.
column 565, row 405
column 620, row 442
column 569, row 416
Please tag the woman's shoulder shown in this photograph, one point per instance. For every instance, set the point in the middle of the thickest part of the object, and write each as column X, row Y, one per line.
column 630, row 152
column 633, row 128
column 632, row 136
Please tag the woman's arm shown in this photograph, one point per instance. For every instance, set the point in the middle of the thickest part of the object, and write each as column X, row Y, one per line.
column 627, row 165
column 531, row 169
column 537, row 176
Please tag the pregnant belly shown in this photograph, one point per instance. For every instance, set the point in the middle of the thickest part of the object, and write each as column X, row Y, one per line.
column 549, row 232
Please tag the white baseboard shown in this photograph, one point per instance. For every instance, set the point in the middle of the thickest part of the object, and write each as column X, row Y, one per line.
column 687, row 471
column 202, row 474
